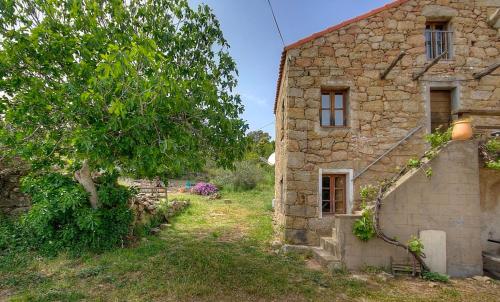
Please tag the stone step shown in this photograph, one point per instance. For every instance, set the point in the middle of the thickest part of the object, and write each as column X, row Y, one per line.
column 334, row 233
column 325, row 258
column 329, row 244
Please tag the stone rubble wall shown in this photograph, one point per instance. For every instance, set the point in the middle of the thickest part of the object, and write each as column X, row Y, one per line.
column 12, row 201
column 381, row 112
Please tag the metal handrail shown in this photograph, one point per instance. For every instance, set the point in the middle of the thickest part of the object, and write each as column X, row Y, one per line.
column 410, row 133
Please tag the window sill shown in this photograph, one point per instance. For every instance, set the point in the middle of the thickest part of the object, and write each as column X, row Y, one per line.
column 336, row 127
column 447, row 61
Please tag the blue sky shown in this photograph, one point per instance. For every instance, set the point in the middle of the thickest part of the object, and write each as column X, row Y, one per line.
column 256, row 46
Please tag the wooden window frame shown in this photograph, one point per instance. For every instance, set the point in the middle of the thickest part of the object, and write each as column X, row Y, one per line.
column 332, row 93
column 332, row 188
column 447, row 39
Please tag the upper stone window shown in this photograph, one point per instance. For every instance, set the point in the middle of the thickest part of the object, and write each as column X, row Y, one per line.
column 438, row 39
column 333, row 112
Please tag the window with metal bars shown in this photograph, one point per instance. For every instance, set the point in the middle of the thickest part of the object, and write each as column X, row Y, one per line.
column 438, row 39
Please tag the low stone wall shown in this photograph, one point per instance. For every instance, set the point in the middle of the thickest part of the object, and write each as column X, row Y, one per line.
column 12, row 201
column 448, row 201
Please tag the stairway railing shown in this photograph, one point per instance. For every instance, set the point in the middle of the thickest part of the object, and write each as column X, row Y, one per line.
column 408, row 135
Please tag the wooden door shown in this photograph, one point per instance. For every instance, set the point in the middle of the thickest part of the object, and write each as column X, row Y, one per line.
column 440, row 109
column 333, row 194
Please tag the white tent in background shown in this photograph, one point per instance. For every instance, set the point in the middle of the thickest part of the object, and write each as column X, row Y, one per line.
column 272, row 159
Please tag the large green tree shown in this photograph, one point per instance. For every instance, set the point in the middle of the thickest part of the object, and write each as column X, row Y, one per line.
column 145, row 86
column 259, row 144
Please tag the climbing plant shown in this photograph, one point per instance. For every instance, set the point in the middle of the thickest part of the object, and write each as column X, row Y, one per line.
column 437, row 140
column 415, row 245
column 363, row 226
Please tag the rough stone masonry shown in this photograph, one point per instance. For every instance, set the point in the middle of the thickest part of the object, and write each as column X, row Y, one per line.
column 380, row 112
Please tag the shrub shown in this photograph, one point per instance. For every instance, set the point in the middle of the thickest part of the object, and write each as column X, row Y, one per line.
column 493, row 145
column 61, row 217
column 205, row 189
column 246, row 175
column 493, row 164
column 12, row 236
column 436, row 277
column 492, row 158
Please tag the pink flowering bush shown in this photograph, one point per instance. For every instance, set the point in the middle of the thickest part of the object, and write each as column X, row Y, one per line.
column 204, row 188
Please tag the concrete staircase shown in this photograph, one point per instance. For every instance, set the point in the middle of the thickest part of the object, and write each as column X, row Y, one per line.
column 328, row 253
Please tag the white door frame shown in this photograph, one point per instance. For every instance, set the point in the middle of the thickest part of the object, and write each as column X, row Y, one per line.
column 349, row 187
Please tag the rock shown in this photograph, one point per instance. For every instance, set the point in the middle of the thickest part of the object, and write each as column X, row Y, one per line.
column 295, row 248
column 482, row 278
column 433, row 285
column 155, row 231
column 384, row 276
column 214, row 196
column 164, row 226
column 360, row 278
column 276, row 244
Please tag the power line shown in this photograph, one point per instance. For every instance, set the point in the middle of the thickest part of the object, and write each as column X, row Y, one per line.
column 268, row 124
column 276, row 22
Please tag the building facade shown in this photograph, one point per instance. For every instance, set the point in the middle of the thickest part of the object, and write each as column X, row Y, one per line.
column 355, row 101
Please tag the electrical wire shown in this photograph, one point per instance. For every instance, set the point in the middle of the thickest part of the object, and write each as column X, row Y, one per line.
column 276, row 22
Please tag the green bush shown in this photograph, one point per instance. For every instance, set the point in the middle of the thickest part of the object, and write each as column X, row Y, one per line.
column 436, row 277
column 493, row 145
column 246, row 175
column 12, row 235
column 493, row 150
column 61, row 217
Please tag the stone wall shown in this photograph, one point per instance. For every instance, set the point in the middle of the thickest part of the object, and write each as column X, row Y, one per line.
column 381, row 112
column 12, row 201
column 490, row 209
column 448, row 201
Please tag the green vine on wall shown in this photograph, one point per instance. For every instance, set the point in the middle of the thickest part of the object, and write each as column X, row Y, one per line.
column 415, row 245
column 363, row 227
column 437, row 140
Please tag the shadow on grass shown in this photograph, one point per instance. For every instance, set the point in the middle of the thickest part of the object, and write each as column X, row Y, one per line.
column 179, row 266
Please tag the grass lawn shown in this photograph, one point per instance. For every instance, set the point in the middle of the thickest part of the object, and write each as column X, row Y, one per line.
column 215, row 251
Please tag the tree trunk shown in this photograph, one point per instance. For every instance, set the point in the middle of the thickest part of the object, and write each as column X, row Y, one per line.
column 84, row 177
column 376, row 221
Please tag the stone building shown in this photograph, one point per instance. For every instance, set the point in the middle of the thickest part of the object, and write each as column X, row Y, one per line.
column 354, row 102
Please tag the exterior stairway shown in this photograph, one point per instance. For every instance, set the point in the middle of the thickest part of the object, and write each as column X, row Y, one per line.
column 328, row 253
